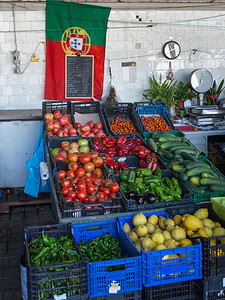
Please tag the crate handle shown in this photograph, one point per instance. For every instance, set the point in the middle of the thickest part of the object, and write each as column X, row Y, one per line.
column 93, row 211
column 94, row 227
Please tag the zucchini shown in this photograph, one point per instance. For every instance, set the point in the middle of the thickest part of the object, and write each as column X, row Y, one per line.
column 217, row 188
column 187, row 150
column 195, row 180
column 168, row 145
column 175, row 161
column 193, row 188
column 170, row 139
column 210, row 180
column 189, row 156
column 178, row 168
column 177, row 155
column 199, row 171
column 183, row 177
column 152, row 144
column 205, row 174
column 184, row 147
column 196, row 164
column 165, row 153
column 186, row 162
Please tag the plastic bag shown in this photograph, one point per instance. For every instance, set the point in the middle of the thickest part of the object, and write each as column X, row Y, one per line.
column 33, row 183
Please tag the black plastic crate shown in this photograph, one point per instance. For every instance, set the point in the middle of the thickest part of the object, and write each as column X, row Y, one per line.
column 126, row 296
column 131, row 205
column 44, row 282
column 76, row 210
column 125, row 112
column 213, row 259
column 86, row 108
column 210, row 289
column 51, row 107
column 174, row 291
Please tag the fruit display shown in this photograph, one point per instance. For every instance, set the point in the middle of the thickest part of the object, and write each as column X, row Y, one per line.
column 146, row 186
column 155, row 123
column 157, row 233
column 91, row 129
column 83, row 181
column 170, row 146
column 59, row 125
column 69, row 151
column 122, row 126
column 121, row 146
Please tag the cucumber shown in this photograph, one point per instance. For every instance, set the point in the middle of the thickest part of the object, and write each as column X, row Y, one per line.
column 186, row 162
column 205, row 174
column 152, row 144
column 195, row 180
column 170, row 139
column 196, row 164
column 210, row 181
column 175, row 161
column 194, row 188
column 199, row 171
column 183, row 177
column 189, row 156
column 184, row 147
column 177, row 155
column 217, row 188
column 168, row 145
column 187, row 150
column 165, row 153
column 178, row 168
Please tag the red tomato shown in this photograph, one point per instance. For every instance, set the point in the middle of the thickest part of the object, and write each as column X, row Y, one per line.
column 70, row 174
column 112, row 195
column 98, row 172
column 65, row 191
column 71, row 188
column 90, row 188
column 73, row 166
column 89, row 167
column 97, row 181
column 108, row 182
column 72, row 194
column 114, row 187
column 81, row 185
column 93, row 154
column 84, row 158
column 81, row 195
column 61, row 174
column 73, row 157
column 74, row 181
column 106, row 191
column 100, row 195
column 68, row 199
column 80, row 172
column 97, row 161
column 65, row 183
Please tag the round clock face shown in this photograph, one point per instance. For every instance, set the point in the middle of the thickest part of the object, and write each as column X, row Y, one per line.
column 201, row 80
column 171, row 50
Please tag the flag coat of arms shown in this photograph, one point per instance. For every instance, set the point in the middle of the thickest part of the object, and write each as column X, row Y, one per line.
column 74, row 29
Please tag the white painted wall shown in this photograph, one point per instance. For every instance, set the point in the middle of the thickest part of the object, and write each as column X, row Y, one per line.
column 142, row 45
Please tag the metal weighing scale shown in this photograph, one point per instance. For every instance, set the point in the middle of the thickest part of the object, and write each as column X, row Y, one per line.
column 201, row 81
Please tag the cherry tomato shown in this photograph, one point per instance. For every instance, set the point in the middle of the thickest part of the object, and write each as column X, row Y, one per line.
column 81, row 185
column 65, row 191
column 75, row 181
column 114, row 187
column 112, row 195
column 101, row 188
column 81, row 195
column 108, row 182
column 72, row 194
column 97, row 161
column 61, row 174
column 70, row 174
column 71, row 188
column 96, row 181
column 80, row 172
column 90, row 188
column 73, row 166
column 68, row 199
column 106, row 191
column 65, row 183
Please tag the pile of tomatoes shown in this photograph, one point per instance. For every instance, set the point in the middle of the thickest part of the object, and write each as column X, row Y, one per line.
column 122, row 126
column 83, row 182
column 155, row 124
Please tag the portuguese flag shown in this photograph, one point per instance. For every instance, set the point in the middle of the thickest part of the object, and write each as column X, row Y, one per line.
column 73, row 29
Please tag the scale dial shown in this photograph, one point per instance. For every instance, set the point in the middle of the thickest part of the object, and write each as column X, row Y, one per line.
column 201, row 80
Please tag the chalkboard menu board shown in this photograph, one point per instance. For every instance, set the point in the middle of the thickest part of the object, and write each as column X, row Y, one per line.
column 79, row 76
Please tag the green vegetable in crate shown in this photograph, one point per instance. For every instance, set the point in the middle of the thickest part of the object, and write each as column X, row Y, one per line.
column 143, row 172
column 152, row 144
column 199, row 170
column 166, row 154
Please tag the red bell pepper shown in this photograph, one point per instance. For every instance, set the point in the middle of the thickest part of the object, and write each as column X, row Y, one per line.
column 108, row 141
column 121, row 140
column 142, row 164
column 98, row 145
column 111, row 152
column 123, row 166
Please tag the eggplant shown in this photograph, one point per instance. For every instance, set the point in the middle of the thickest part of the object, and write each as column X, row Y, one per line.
column 140, row 200
column 149, row 197
column 132, row 194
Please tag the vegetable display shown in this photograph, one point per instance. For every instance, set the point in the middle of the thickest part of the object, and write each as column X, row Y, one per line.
column 101, row 248
column 155, row 123
column 144, row 187
column 91, row 129
column 45, row 250
column 122, row 126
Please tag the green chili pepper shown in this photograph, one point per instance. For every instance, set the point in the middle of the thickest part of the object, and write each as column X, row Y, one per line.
column 143, row 172
column 123, row 177
column 176, row 185
column 45, row 239
column 131, row 176
column 43, row 250
column 158, row 172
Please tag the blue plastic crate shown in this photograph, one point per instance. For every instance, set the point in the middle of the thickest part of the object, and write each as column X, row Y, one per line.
column 99, row 280
column 154, row 109
column 157, row 271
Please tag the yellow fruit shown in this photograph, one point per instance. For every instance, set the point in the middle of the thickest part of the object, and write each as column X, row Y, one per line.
column 212, row 242
column 178, row 234
column 201, row 213
column 153, row 219
column 202, row 233
column 192, row 223
column 218, row 231
column 217, row 224
column 177, row 219
column 185, row 243
column 189, row 232
column 209, row 223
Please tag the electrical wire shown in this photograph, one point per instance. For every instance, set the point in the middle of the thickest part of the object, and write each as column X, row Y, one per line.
column 34, row 53
column 14, row 23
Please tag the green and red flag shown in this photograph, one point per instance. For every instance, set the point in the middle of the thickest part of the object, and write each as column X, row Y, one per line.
column 74, row 29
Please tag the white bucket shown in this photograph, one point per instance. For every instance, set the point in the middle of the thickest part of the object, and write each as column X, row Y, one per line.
column 23, row 277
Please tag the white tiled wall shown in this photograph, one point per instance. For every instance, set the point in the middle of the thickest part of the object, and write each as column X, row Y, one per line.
column 142, row 45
